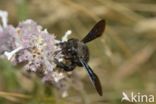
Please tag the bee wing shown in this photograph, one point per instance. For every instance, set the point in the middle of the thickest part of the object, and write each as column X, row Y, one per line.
column 95, row 32
column 93, row 77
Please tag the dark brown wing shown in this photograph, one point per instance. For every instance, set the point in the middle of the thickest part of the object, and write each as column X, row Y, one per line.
column 95, row 32
column 93, row 77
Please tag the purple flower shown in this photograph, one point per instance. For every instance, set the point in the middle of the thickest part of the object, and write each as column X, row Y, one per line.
column 7, row 39
column 29, row 43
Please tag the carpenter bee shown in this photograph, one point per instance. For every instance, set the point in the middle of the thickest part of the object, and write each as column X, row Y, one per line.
column 76, row 53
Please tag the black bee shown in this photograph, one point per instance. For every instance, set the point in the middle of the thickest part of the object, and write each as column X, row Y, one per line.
column 76, row 53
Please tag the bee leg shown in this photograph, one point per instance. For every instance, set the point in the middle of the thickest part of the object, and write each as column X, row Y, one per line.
column 69, row 67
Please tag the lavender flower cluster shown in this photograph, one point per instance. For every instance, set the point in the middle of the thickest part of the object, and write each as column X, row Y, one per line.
column 28, row 43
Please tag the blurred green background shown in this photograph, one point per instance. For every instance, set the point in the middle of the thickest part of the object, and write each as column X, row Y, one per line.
column 124, row 58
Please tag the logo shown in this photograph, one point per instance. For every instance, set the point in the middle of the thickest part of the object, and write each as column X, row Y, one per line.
column 137, row 97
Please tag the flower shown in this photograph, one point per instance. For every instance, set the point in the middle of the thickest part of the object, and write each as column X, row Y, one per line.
column 7, row 39
column 29, row 43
